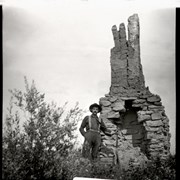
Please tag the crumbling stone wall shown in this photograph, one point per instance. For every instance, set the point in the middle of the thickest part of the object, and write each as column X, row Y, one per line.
column 126, row 69
column 135, row 115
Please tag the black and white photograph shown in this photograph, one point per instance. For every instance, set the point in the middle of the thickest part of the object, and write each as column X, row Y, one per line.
column 89, row 89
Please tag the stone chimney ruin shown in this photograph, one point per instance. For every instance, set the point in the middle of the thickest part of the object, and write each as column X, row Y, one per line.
column 134, row 114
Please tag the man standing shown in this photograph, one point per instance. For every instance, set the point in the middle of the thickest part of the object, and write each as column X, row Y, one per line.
column 93, row 125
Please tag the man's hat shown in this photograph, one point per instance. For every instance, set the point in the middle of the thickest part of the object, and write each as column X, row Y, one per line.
column 95, row 105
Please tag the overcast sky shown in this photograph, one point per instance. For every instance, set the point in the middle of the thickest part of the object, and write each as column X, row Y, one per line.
column 65, row 47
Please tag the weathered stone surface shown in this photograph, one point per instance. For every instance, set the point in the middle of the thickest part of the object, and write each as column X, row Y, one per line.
column 158, row 103
column 154, row 154
column 156, row 146
column 113, row 114
column 144, row 112
column 154, row 98
column 154, row 123
column 125, row 58
column 109, row 142
column 127, row 154
column 124, row 131
column 153, row 107
column 118, row 106
column 107, row 95
column 105, row 111
column 144, row 108
column 105, row 103
column 152, row 135
column 141, row 112
column 148, row 112
column 154, row 141
column 156, row 116
column 152, row 129
column 128, row 136
column 122, row 32
column 166, row 120
column 133, row 30
column 113, row 98
column 128, row 98
column 129, row 131
column 145, row 95
column 137, row 101
column 115, row 36
column 101, row 154
column 108, row 123
column 106, row 108
column 143, row 117
column 135, row 78
column 138, row 105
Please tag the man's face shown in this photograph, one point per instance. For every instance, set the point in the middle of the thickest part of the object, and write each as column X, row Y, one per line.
column 95, row 110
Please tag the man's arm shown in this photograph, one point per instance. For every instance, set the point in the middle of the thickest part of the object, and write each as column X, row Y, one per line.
column 83, row 125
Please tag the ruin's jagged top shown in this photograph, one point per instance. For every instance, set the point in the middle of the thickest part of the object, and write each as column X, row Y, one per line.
column 126, row 68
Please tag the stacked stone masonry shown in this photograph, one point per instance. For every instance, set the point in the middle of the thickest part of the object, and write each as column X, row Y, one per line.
column 126, row 69
column 135, row 116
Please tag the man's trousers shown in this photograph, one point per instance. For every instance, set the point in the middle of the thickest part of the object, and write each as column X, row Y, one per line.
column 91, row 144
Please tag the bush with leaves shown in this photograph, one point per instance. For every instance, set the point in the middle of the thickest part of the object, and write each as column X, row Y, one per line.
column 157, row 169
column 37, row 150
column 77, row 166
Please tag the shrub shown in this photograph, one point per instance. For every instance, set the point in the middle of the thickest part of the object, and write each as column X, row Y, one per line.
column 37, row 151
column 76, row 166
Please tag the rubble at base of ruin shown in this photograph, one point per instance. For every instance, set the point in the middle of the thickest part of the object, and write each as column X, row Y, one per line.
column 135, row 116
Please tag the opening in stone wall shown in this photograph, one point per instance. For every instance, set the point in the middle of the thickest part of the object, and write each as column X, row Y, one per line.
column 132, row 130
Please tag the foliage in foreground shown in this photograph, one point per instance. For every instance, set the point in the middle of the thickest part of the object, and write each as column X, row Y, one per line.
column 37, row 151
column 76, row 166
